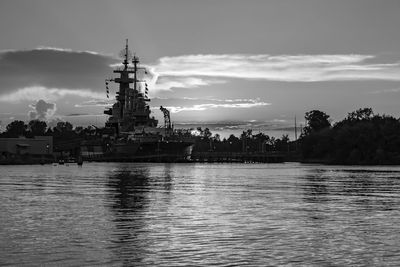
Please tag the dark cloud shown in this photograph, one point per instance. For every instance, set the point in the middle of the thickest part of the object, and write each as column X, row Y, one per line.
column 53, row 68
column 42, row 110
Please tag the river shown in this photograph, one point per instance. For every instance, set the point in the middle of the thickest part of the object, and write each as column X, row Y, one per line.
column 136, row 214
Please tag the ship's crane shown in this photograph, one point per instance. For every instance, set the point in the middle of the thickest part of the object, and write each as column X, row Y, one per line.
column 167, row 118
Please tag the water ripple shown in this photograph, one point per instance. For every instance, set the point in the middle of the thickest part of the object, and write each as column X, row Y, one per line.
column 199, row 215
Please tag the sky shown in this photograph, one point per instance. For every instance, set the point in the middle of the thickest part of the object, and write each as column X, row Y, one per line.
column 227, row 64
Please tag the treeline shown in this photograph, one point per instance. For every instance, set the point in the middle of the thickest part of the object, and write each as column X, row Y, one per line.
column 62, row 130
column 205, row 141
column 361, row 138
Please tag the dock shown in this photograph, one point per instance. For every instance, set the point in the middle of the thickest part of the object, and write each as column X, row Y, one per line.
column 240, row 157
column 199, row 157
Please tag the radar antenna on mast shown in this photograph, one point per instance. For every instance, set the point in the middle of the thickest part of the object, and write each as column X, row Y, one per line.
column 126, row 54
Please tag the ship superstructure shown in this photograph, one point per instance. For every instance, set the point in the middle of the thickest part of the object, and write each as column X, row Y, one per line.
column 131, row 110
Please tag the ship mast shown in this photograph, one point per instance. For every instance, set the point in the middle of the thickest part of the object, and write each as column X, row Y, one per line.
column 126, row 56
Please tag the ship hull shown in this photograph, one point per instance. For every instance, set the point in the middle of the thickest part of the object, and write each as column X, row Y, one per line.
column 165, row 151
column 162, row 151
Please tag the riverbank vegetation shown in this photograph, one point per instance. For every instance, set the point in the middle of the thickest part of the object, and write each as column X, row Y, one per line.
column 361, row 138
column 205, row 140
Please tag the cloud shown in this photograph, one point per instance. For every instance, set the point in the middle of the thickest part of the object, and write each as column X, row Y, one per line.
column 167, row 83
column 285, row 68
column 157, row 82
column 96, row 103
column 279, row 120
column 57, row 72
column 190, row 101
column 42, row 110
column 218, row 103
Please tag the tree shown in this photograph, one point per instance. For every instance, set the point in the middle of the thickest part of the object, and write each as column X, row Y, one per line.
column 217, row 138
column 16, row 128
column 64, row 126
column 361, row 114
column 283, row 143
column 316, row 121
column 37, row 127
column 207, row 133
column 200, row 131
column 285, row 138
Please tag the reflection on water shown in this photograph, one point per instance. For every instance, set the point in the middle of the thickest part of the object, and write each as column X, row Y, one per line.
column 127, row 190
column 199, row 214
column 128, row 199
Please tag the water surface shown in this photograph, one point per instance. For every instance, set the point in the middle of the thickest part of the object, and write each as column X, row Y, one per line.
column 199, row 214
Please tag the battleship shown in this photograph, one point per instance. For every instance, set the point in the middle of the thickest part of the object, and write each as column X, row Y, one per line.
column 134, row 134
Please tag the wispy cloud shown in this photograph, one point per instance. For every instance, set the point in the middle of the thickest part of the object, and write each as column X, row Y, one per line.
column 218, row 103
column 34, row 93
column 286, row 68
column 96, row 103
column 52, row 48
column 383, row 91
column 167, row 83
